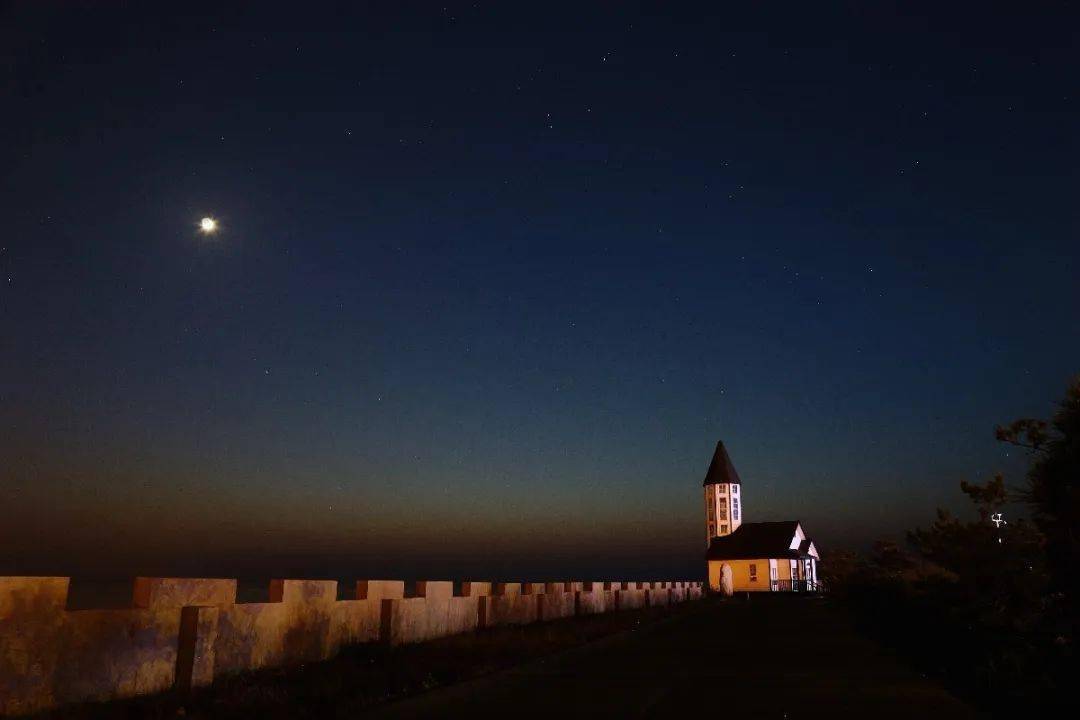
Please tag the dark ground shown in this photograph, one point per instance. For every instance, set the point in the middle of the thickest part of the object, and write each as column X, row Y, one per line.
column 775, row 657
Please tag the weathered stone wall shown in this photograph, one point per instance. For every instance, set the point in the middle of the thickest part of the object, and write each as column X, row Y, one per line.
column 678, row 592
column 513, row 604
column 557, row 601
column 434, row 610
column 184, row 632
column 659, row 594
column 632, row 595
column 360, row 620
column 32, row 623
column 297, row 625
column 694, row 591
column 156, row 593
column 592, row 598
column 50, row 656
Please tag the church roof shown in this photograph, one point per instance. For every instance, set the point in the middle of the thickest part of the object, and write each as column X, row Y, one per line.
column 762, row 540
column 720, row 469
column 808, row 549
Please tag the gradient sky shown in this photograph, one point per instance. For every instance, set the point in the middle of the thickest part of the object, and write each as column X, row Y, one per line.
column 491, row 280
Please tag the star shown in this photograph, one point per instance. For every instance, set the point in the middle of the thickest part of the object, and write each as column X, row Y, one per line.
column 208, row 225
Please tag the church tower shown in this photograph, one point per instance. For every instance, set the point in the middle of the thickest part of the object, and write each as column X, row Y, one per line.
column 723, row 511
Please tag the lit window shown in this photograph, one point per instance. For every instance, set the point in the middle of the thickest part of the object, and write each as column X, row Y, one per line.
column 723, row 528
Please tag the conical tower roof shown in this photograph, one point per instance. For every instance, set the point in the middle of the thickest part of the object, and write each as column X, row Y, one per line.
column 720, row 469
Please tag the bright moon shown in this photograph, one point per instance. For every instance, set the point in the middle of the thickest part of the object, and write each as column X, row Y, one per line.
column 208, row 225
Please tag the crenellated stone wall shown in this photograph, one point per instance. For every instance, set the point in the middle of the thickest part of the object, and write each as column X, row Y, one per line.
column 184, row 632
column 556, row 601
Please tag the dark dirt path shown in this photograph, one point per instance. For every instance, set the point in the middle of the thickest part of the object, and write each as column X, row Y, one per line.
column 775, row 657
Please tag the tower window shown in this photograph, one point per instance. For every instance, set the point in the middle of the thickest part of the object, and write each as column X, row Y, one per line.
column 753, row 572
column 723, row 528
column 735, row 508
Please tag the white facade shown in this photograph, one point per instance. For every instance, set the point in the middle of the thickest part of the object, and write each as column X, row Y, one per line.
column 723, row 510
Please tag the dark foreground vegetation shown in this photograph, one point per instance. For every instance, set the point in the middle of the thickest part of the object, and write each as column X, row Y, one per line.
column 989, row 605
column 363, row 676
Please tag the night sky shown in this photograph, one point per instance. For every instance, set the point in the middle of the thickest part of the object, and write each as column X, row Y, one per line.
column 490, row 281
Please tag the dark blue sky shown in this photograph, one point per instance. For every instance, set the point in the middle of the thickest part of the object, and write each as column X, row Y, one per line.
column 490, row 281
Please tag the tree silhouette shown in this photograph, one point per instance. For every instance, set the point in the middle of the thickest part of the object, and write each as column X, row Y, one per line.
column 992, row 606
column 1053, row 488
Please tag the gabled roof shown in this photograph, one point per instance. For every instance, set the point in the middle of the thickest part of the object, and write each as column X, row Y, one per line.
column 763, row 540
column 807, row 548
column 720, row 469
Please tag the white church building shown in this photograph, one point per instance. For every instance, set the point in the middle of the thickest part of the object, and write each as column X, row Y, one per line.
column 754, row 557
